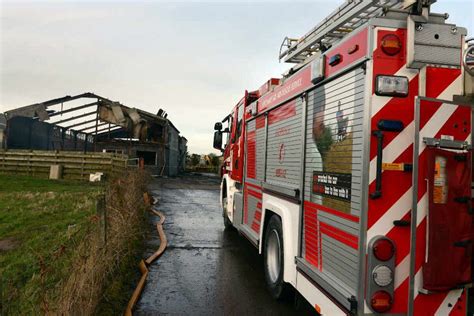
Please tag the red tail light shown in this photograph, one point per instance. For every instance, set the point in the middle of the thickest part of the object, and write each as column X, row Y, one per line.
column 381, row 302
column 383, row 249
column 391, row 44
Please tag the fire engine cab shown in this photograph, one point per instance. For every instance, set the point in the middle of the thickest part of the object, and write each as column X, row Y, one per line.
column 352, row 173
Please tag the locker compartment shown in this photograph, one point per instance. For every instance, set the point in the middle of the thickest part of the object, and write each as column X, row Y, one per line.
column 450, row 229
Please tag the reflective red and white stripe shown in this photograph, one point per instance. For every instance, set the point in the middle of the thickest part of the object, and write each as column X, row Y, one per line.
column 398, row 206
column 396, row 201
column 398, row 147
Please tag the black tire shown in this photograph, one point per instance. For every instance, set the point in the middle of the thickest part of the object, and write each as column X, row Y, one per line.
column 227, row 222
column 273, row 260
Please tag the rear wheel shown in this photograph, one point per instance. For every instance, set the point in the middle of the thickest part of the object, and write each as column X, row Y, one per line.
column 227, row 222
column 273, row 259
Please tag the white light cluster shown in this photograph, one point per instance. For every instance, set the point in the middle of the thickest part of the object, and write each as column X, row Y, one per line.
column 392, row 86
column 382, row 275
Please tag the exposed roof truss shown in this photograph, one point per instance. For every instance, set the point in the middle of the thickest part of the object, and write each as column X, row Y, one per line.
column 91, row 118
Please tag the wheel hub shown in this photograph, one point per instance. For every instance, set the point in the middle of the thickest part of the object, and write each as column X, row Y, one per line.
column 273, row 256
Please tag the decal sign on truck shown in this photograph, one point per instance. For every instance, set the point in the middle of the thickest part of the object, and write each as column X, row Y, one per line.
column 331, row 184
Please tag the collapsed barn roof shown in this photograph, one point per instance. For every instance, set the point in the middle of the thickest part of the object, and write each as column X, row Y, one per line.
column 94, row 118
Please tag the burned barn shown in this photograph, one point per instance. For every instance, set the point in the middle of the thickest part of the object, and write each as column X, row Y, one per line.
column 88, row 122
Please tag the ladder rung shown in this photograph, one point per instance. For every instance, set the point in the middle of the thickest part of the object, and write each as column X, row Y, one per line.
column 345, row 19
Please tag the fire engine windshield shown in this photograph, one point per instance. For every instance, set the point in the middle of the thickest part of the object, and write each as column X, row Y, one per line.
column 227, row 127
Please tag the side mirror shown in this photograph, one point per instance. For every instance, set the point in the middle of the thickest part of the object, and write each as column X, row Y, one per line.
column 218, row 140
column 218, row 126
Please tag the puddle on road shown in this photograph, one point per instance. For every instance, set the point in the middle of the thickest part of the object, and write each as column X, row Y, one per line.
column 204, row 269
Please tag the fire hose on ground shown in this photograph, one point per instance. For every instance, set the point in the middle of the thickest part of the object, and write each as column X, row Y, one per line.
column 143, row 266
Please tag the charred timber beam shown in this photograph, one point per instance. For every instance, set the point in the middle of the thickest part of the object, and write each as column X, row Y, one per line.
column 92, row 126
column 74, row 118
column 79, row 124
column 73, row 109
column 113, row 129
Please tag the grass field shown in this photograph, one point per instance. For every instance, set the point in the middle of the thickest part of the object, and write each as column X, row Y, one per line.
column 41, row 223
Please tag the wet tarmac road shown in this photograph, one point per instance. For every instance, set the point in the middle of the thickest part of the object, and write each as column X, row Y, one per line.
column 205, row 270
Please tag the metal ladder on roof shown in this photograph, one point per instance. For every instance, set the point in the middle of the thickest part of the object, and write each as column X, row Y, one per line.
column 345, row 19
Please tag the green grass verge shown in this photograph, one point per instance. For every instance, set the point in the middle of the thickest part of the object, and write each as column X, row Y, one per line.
column 9, row 183
column 41, row 223
column 119, row 287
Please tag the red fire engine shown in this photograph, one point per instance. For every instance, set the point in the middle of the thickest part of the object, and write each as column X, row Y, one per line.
column 352, row 173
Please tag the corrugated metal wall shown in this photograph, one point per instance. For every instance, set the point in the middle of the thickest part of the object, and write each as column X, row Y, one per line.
column 28, row 133
column 3, row 127
column 172, row 149
column 183, row 150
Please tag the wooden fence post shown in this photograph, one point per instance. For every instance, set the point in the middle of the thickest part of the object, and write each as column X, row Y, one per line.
column 102, row 214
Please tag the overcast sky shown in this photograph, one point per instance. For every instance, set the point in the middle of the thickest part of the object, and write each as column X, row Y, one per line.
column 192, row 58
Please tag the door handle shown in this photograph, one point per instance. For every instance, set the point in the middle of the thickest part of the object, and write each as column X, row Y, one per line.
column 378, row 178
column 401, row 223
column 388, row 126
